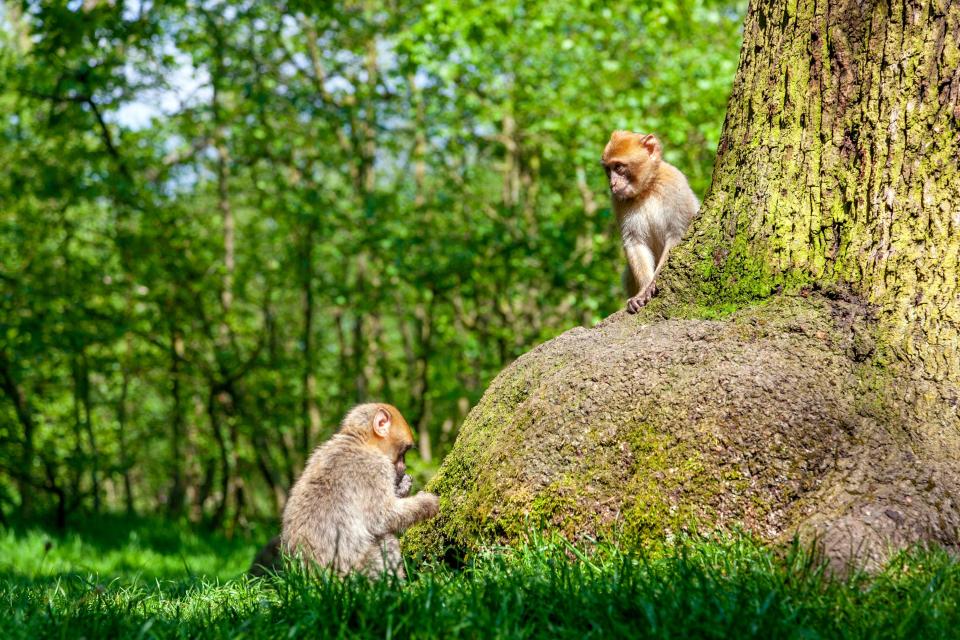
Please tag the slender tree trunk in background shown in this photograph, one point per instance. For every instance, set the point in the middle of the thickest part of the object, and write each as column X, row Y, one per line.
column 229, row 401
column 220, row 511
column 92, row 441
column 366, row 182
column 381, row 361
column 358, row 339
column 84, row 421
column 198, row 490
column 176, row 495
column 358, row 351
column 125, row 460
column 21, row 407
column 123, row 450
column 287, row 441
column 417, row 337
column 237, row 486
column 310, row 414
column 425, row 322
column 373, row 356
column 266, row 467
column 57, row 490
column 231, row 484
column 345, row 357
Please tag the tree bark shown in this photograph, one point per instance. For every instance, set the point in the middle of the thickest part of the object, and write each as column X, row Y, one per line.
column 838, row 165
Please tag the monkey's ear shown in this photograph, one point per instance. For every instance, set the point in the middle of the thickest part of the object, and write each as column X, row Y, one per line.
column 651, row 144
column 381, row 423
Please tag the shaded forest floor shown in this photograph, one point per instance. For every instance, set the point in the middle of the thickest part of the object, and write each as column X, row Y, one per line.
column 122, row 578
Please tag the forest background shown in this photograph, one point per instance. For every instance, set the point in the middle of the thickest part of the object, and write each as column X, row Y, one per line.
column 224, row 223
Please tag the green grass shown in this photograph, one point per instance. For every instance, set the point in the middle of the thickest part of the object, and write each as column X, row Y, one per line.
column 116, row 578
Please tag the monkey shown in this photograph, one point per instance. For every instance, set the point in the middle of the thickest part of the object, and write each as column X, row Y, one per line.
column 343, row 511
column 404, row 480
column 270, row 558
column 654, row 206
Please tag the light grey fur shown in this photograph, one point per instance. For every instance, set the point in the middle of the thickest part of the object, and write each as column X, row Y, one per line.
column 344, row 512
column 651, row 226
column 269, row 558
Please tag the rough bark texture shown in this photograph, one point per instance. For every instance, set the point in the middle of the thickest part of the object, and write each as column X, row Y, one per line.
column 800, row 371
column 838, row 163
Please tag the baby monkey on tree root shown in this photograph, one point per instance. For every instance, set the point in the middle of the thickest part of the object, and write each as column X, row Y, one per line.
column 653, row 204
column 350, row 502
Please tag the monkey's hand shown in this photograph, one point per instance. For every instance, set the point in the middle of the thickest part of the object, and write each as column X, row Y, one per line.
column 428, row 503
column 405, row 512
column 638, row 301
column 403, row 486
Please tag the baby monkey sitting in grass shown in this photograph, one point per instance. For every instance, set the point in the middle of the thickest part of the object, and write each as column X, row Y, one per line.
column 351, row 501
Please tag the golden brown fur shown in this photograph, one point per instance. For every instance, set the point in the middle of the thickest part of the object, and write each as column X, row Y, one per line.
column 653, row 204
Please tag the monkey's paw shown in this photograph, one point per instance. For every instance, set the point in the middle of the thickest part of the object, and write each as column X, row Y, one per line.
column 403, row 486
column 429, row 504
column 638, row 301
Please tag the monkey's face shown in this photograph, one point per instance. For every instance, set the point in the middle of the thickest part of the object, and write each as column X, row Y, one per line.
column 623, row 184
column 630, row 161
column 402, row 436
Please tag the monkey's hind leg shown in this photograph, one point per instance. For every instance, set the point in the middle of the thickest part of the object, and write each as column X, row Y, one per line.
column 268, row 560
column 384, row 558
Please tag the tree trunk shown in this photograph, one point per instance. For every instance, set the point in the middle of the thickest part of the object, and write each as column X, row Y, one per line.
column 310, row 414
column 837, row 172
column 800, row 371
column 838, row 166
column 21, row 406
column 177, row 482
column 81, row 377
column 126, row 460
